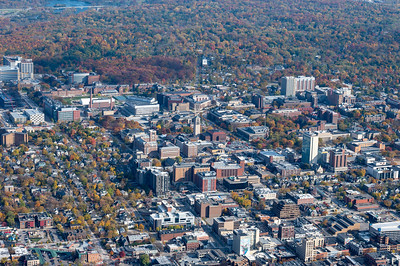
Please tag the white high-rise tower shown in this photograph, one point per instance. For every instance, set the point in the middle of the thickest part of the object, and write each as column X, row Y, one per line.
column 310, row 148
column 197, row 126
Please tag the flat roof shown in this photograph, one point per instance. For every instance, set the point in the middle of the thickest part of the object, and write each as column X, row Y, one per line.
column 32, row 111
column 17, row 115
column 8, row 68
column 386, row 227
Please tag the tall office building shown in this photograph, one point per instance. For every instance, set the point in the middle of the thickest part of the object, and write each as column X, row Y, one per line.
column 258, row 100
column 35, row 116
column 23, row 66
column 67, row 114
column 241, row 242
column 197, row 126
column 306, row 250
column 254, row 234
column 310, row 148
column 292, row 85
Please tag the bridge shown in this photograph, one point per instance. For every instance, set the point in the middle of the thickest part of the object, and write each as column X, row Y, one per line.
column 75, row 7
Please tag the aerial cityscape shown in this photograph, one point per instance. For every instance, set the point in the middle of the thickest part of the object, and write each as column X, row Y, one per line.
column 200, row 132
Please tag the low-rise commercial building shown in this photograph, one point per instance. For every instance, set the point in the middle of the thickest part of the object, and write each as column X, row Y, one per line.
column 35, row 116
column 361, row 201
column 165, row 219
column 286, row 169
column 382, row 170
column 265, row 193
column 342, row 224
column 18, row 117
column 212, row 206
column 300, row 199
column 391, row 230
column 252, row 133
column 214, row 135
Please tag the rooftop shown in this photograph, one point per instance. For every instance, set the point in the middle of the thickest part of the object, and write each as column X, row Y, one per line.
column 225, row 165
column 386, row 227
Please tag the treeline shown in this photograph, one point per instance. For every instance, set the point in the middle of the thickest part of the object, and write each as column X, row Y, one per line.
column 354, row 41
column 41, row 3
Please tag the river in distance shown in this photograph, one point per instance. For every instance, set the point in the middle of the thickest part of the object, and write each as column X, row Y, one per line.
column 79, row 5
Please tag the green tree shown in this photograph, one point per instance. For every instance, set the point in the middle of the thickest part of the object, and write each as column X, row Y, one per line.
column 144, row 259
column 10, row 218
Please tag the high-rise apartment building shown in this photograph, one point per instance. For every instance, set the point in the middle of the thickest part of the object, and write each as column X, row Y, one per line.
column 310, row 148
column 305, row 83
column 292, row 85
column 13, row 138
column 338, row 160
column 159, row 182
column 306, row 250
column 288, row 85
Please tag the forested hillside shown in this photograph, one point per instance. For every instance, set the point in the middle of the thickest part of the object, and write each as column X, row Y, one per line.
column 42, row 3
column 162, row 40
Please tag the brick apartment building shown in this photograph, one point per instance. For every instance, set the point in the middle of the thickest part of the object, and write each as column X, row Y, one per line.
column 206, row 181
column 34, row 220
